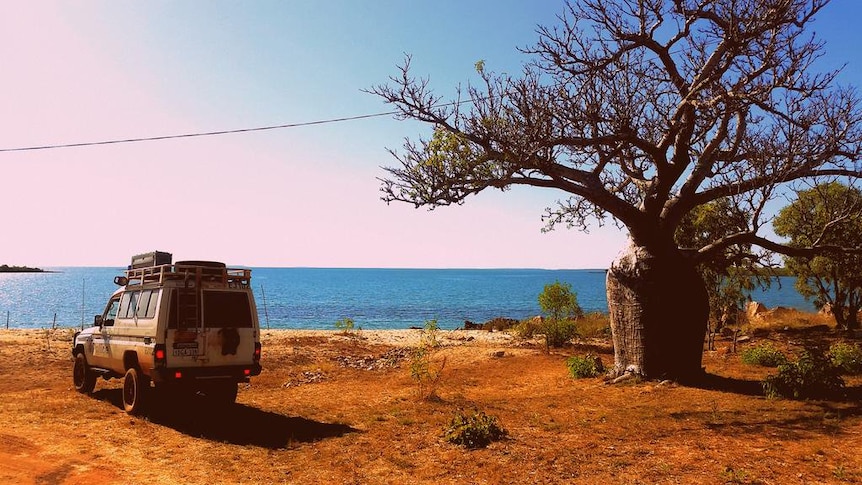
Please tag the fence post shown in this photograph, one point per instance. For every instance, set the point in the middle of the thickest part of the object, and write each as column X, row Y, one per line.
column 265, row 310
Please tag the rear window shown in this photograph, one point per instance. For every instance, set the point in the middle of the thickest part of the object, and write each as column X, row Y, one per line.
column 229, row 309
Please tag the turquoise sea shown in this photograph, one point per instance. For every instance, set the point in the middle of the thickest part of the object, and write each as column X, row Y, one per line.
column 315, row 298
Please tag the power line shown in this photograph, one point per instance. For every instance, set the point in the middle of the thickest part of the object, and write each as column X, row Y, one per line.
column 193, row 135
column 222, row 132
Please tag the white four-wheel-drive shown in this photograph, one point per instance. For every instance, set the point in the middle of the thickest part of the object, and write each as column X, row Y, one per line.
column 188, row 327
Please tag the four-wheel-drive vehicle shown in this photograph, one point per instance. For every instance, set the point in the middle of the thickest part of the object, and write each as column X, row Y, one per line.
column 189, row 327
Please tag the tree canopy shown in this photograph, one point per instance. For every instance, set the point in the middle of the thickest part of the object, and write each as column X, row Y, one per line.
column 641, row 110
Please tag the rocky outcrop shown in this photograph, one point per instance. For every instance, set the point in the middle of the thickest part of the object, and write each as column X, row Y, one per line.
column 755, row 309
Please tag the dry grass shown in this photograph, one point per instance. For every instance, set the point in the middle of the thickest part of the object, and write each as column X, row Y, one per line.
column 332, row 409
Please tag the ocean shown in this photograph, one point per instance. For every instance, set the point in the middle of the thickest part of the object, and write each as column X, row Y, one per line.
column 315, row 298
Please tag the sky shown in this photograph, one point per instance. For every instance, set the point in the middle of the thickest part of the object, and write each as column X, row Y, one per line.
column 306, row 196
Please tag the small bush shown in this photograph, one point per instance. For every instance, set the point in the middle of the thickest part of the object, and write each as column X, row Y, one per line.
column 528, row 328
column 813, row 376
column 559, row 332
column 430, row 335
column 346, row 324
column 474, row 431
column 422, row 369
column 846, row 357
column 587, row 366
column 764, row 355
column 560, row 304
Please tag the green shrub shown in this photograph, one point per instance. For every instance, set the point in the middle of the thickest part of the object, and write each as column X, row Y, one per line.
column 558, row 301
column 346, row 324
column 430, row 335
column 559, row 332
column 587, row 366
column 813, row 376
column 556, row 332
column 560, row 304
column 764, row 354
column 846, row 357
column 474, row 431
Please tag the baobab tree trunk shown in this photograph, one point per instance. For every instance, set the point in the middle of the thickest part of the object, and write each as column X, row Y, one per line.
column 658, row 309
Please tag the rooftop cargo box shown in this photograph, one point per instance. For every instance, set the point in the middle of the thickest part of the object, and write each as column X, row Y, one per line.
column 154, row 258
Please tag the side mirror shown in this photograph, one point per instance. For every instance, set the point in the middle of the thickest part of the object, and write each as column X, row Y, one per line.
column 121, row 280
column 97, row 320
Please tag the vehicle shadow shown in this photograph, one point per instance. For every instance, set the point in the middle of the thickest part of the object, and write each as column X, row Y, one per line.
column 237, row 424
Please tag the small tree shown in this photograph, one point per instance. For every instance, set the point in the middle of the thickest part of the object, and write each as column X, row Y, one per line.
column 559, row 304
column 422, row 370
column 827, row 214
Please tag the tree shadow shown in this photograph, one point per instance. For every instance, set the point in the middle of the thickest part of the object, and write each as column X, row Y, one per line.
column 745, row 387
column 814, row 417
column 237, row 424
column 824, row 418
column 714, row 382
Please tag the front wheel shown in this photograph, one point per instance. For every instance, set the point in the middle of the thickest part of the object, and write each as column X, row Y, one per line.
column 135, row 391
column 82, row 376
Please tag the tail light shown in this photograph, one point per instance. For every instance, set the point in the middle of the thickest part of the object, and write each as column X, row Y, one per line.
column 256, row 356
column 160, row 355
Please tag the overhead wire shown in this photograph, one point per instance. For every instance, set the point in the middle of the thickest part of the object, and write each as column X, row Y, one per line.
column 199, row 134
column 219, row 132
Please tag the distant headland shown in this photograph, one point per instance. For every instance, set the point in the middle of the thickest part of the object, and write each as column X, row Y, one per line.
column 5, row 268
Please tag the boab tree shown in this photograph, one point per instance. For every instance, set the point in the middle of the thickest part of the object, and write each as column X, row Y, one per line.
column 642, row 111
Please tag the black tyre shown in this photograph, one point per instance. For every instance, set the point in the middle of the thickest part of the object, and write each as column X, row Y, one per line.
column 136, row 387
column 82, row 376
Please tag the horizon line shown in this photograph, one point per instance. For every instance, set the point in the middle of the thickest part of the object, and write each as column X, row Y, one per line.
column 230, row 265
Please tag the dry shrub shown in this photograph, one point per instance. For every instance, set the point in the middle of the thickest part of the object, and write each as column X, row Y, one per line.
column 594, row 325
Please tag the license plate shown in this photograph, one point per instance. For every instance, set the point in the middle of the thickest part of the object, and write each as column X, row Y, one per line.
column 187, row 352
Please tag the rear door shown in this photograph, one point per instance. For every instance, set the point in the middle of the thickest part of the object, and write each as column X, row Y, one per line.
column 185, row 342
column 211, row 328
column 229, row 321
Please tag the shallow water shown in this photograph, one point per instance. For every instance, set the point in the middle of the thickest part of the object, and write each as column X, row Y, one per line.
column 315, row 298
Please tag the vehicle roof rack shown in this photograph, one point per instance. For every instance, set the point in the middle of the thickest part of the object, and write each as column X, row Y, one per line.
column 150, row 269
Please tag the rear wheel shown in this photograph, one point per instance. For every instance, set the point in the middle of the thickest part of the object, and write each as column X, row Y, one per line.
column 82, row 376
column 136, row 387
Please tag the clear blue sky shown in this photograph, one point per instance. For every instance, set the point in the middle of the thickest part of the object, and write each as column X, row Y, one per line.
column 308, row 196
